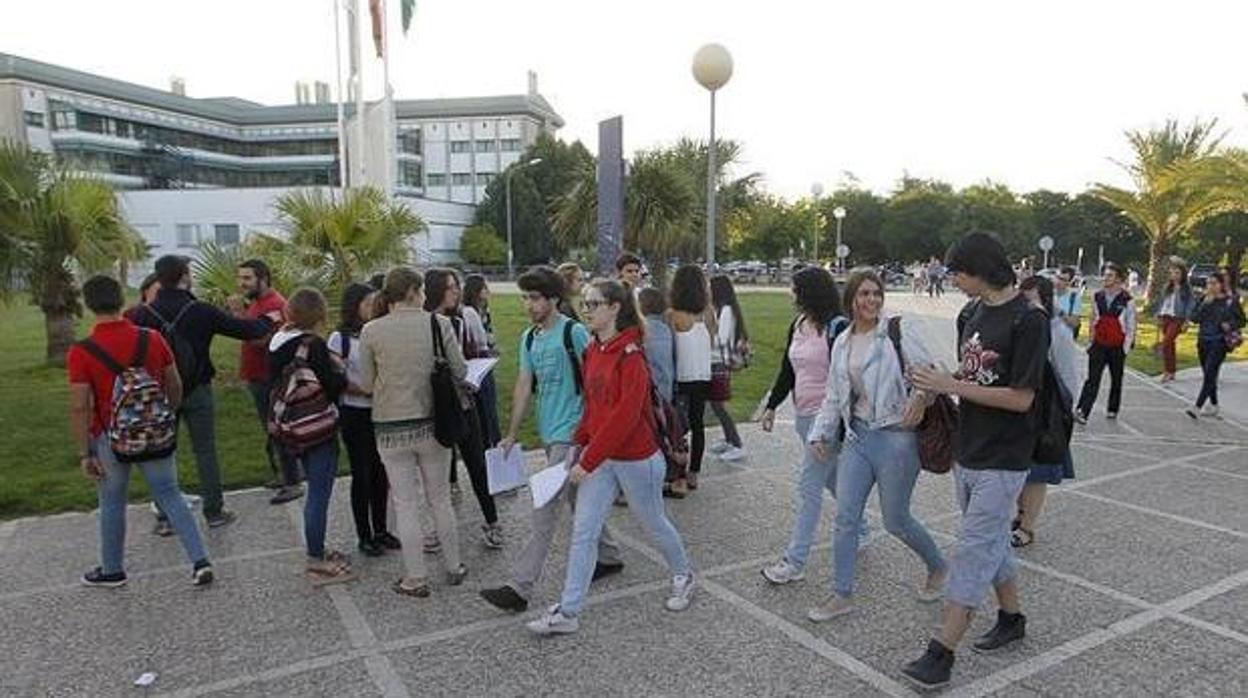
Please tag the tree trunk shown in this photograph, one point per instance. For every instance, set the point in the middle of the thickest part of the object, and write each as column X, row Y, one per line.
column 1235, row 260
column 59, row 328
column 1158, row 268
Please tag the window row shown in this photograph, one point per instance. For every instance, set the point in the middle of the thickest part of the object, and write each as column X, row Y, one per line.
column 193, row 234
column 164, row 170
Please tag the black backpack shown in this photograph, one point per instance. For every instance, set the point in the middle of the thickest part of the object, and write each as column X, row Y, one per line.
column 1054, row 420
column 183, row 351
column 568, row 347
column 449, row 424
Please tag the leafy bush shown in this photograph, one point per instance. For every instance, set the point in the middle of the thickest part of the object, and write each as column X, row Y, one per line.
column 481, row 244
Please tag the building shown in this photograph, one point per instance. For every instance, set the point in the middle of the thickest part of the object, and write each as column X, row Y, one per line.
column 226, row 158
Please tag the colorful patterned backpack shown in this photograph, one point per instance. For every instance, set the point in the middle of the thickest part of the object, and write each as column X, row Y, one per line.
column 141, row 424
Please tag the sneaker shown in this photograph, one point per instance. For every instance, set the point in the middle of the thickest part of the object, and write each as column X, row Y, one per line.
column 97, row 578
column 505, row 598
column 832, row 607
column 286, row 494
column 387, row 540
column 1111, row 415
column 492, row 535
column 682, row 592
column 719, row 447
column 1080, row 417
column 554, row 623
column 691, row 480
column 1009, row 628
column 732, row 453
column 221, row 518
column 934, row 587
column 680, row 488
column 432, row 545
column 1209, row 410
column 606, row 569
column 370, row 548
column 163, row 528
column 1193, row 412
column 932, row 670
column 274, row 484
column 202, row 575
column 783, row 572
column 456, row 493
column 456, row 577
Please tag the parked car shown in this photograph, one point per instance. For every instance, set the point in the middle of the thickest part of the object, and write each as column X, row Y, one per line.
column 1200, row 273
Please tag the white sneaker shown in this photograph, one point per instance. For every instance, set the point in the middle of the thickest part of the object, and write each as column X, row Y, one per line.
column 783, row 572
column 554, row 623
column 832, row 607
column 719, row 447
column 934, row 587
column 732, row 453
column 682, row 592
column 1209, row 410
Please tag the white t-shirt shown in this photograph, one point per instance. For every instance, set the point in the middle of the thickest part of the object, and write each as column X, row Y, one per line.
column 353, row 369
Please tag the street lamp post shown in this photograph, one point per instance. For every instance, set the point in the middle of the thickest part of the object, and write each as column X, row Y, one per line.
column 712, row 68
column 839, row 214
column 816, row 191
column 511, row 250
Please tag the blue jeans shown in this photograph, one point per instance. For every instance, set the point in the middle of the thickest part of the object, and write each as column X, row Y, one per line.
column 321, row 465
column 642, row 483
column 889, row 458
column 816, row 476
column 983, row 557
column 162, row 480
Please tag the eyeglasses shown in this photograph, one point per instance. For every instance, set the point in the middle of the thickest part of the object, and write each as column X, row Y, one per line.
column 591, row 306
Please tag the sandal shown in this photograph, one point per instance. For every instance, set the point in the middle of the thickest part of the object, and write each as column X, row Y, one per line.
column 323, row 572
column 1022, row 537
column 420, row 590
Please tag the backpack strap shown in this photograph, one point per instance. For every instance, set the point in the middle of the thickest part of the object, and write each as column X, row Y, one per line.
column 571, row 351
column 439, row 351
column 90, row 346
column 894, row 335
column 140, row 351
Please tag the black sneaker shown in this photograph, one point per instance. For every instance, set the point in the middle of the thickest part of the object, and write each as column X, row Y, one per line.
column 286, row 494
column 506, row 598
column 221, row 518
column 932, row 670
column 387, row 540
column 606, row 569
column 1009, row 627
column 97, row 578
column 202, row 575
column 371, row 548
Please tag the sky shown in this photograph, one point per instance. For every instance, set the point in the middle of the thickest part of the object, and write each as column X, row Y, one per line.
column 1030, row 94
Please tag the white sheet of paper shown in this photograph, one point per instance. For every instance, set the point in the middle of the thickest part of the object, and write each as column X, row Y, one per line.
column 477, row 370
column 505, row 471
column 546, row 484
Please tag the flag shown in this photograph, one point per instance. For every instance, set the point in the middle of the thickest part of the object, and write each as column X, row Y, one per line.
column 409, row 9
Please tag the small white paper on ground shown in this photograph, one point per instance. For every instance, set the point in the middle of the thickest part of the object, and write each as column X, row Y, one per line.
column 546, row 484
column 504, row 471
column 145, row 679
column 478, row 369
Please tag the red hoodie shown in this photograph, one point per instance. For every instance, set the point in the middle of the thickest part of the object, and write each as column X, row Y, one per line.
column 617, row 421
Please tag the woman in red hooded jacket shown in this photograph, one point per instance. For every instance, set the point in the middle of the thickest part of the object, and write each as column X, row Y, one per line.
column 619, row 452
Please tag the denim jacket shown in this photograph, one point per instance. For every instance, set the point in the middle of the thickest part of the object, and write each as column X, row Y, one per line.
column 881, row 374
column 1184, row 302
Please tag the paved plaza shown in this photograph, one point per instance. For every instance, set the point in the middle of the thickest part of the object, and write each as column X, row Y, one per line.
column 1137, row 585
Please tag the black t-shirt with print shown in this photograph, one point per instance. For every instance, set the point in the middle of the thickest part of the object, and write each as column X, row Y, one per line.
column 1005, row 345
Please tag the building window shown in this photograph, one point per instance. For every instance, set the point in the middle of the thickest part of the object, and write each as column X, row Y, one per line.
column 409, row 174
column 226, row 234
column 510, row 145
column 484, row 178
column 409, row 142
column 34, row 119
column 188, row 235
column 437, row 179
column 461, row 146
column 485, row 146
column 461, row 179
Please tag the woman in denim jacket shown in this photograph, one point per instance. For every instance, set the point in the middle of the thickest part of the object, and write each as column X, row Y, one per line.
column 870, row 406
column 1173, row 309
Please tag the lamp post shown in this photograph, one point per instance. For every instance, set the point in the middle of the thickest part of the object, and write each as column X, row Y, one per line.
column 816, row 191
column 839, row 214
column 712, row 68
column 511, row 250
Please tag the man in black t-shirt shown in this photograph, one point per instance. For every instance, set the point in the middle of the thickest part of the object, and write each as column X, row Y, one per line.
column 1003, row 345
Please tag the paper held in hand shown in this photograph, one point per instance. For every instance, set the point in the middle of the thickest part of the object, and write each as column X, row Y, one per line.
column 477, row 371
column 546, row 484
column 505, row 471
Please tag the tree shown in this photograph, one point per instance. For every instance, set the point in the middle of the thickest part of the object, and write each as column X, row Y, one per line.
column 53, row 222
column 481, row 245
column 918, row 219
column 992, row 207
column 771, row 228
column 862, row 228
column 1166, row 203
column 659, row 210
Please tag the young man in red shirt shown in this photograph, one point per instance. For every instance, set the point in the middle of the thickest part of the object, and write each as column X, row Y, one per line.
column 259, row 299
column 92, row 378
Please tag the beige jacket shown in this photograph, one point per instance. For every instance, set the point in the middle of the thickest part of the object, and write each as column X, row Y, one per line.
column 396, row 361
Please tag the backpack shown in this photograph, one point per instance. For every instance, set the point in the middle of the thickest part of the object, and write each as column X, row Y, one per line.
column 940, row 420
column 1108, row 331
column 669, row 427
column 183, row 351
column 1054, row 420
column 141, row 426
column 301, row 416
column 568, row 347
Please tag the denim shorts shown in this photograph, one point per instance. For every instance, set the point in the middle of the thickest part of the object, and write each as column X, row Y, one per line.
column 983, row 557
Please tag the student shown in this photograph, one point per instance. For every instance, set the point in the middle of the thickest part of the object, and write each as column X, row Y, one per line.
column 660, row 343
column 1068, row 300
column 370, row 490
column 1219, row 315
column 872, row 409
column 1172, row 310
column 935, row 278
column 396, row 363
column 148, row 289
column 688, row 317
column 552, row 350
column 1064, row 358
column 804, row 374
column 1113, row 333
column 732, row 343
column 572, row 277
column 299, row 341
column 628, row 269
column 618, row 451
column 189, row 327
column 476, row 312
column 96, row 366
column 1003, row 344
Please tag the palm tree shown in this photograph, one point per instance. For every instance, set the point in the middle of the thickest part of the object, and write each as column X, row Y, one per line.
column 1167, row 201
column 53, row 222
column 1226, row 175
column 659, row 211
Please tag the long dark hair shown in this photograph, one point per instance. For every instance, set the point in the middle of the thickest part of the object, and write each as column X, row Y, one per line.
column 474, row 285
column 816, row 295
column 616, row 292
column 688, row 292
column 1183, row 282
column 1043, row 287
column 437, row 282
column 723, row 294
column 349, row 321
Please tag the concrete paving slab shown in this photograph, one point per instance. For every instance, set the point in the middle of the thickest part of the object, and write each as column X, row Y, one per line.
column 343, row 679
column 1213, row 498
column 1229, row 609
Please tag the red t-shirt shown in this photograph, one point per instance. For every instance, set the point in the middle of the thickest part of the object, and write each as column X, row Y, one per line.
column 119, row 339
column 253, row 360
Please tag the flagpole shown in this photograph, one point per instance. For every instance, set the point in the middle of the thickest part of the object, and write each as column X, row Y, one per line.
column 361, row 156
column 342, row 120
column 389, row 131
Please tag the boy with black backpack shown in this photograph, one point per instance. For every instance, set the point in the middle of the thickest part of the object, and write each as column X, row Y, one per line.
column 124, row 388
column 1113, row 333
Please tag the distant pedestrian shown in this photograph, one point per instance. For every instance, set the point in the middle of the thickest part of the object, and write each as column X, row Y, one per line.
column 1221, row 320
column 476, row 312
column 1068, row 300
column 732, row 353
column 1172, row 311
column 573, row 280
column 691, row 323
column 935, row 278
column 1113, row 334
column 628, row 268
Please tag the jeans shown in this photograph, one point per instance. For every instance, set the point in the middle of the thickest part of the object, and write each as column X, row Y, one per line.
column 888, row 458
column 198, row 410
column 369, row 487
column 162, row 480
column 413, row 458
column 282, row 467
column 642, row 483
column 527, row 568
column 983, row 557
column 816, row 476
column 321, row 465
column 1212, row 352
column 725, row 419
column 691, row 396
column 1098, row 358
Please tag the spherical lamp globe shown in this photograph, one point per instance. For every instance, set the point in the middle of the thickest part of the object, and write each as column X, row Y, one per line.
column 712, row 66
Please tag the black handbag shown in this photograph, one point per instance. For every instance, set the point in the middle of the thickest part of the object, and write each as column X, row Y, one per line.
column 449, row 425
column 1054, row 420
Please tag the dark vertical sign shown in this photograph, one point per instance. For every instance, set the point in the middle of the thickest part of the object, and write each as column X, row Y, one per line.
column 610, row 192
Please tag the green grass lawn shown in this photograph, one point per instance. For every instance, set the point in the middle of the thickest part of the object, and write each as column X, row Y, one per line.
column 37, row 459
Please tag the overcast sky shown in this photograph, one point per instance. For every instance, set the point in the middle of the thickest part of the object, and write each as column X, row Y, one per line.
column 1033, row 94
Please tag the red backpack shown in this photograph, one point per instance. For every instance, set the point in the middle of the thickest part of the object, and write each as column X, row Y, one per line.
column 300, row 414
column 1108, row 331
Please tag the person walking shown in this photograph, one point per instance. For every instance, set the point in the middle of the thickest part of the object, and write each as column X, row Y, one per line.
column 935, row 278
column 1068, row 300
column 628, row 268
column 1221, row 318
column 1172, row 311
column 370, row 490
column 551, row 353
column 477, row 318
column 618, row 450
column 660, row 343
column 119, row 372
column 732, row 350
column 689, row 320
column 1003, row 345
column 397, row 356
column 804, row 374
column 1113, row 334
column 573, row 280
column 295, row 350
